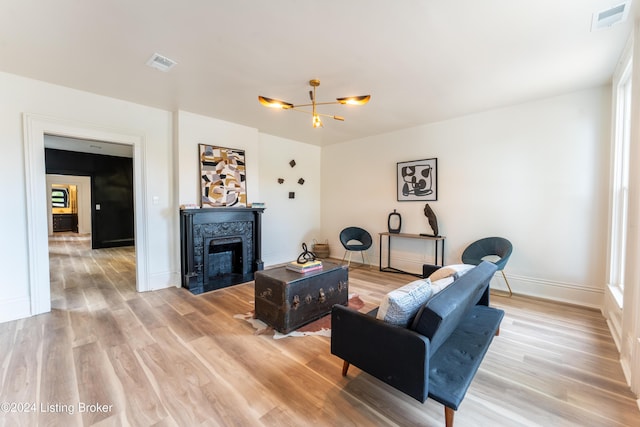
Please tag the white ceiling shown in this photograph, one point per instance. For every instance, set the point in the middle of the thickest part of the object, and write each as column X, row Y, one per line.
column 421, row 60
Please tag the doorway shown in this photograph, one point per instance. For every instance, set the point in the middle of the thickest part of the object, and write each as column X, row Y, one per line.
column 80, row 205
column 35, row 128
column 111, row 194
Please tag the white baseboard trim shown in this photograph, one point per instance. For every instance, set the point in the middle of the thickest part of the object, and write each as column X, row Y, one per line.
column 530, row 286
column 14, row 309
column 164, row 280
column 547, row 289
column 612, row 311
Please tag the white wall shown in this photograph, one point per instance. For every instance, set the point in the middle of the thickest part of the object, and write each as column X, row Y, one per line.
column 22, row 95
column 169, row 177
column 194, row 129
column 535, row 173
column 286, row 223
column 289, row 222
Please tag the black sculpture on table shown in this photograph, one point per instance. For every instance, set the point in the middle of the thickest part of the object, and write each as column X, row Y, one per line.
column 433, row 221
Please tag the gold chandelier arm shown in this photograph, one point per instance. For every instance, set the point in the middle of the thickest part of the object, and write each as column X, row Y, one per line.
column 332, row 116
column 318, row 103
column 354, row 100
column 319, row 114
column 336, row 102
column 274, row 103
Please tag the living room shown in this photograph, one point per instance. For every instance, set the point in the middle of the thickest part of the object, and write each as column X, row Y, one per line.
column 536, row 171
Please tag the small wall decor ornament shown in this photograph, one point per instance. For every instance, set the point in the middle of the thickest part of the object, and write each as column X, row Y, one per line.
column 280, row 181
column 394, row 222
column 292, row 163
column 301, row 181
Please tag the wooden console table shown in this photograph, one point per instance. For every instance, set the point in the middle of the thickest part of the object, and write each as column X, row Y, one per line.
column 390, row 269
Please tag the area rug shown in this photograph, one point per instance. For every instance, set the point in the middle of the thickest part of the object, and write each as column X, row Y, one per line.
column 320, row 327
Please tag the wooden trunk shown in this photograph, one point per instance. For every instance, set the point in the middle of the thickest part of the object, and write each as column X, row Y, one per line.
column 287, row 300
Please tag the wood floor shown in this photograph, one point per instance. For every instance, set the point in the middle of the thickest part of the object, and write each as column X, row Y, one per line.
column 108, row 356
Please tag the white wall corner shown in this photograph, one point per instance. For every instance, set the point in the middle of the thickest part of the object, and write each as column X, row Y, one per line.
column 167, row 279
column 14, row 309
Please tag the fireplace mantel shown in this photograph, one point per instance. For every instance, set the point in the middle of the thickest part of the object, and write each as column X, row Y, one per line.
column 203, row 267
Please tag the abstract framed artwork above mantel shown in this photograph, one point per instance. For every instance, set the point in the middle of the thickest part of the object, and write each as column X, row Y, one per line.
column 223, row 177
column 417, row 180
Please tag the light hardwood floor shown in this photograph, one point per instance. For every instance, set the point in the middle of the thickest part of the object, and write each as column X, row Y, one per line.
column 168, row 358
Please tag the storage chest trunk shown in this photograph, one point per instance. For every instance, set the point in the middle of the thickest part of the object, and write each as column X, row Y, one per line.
column 287, row 300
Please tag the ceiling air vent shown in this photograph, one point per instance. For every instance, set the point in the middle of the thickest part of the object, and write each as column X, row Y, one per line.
column 160, row 62
column 611, row 16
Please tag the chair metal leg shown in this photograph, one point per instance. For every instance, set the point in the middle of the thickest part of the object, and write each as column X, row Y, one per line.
column 365, row 256
column 507, row 282
column 345, row 255
column 363, row 261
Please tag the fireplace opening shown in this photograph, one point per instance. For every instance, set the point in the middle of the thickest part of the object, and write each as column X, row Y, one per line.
column 225, row 257
column 226, row 262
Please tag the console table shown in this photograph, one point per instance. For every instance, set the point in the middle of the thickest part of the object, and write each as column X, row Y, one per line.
column 388, row 268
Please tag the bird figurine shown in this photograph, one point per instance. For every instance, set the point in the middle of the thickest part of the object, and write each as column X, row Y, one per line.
column 433, row 221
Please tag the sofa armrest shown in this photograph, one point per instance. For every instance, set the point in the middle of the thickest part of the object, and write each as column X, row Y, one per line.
column 393, row 354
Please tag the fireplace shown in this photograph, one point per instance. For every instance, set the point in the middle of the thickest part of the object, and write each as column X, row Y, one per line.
column 220, row 247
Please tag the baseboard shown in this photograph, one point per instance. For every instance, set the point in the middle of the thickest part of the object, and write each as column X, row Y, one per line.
column 164, row 280
column 547, row 289
column 14, row 309
column 612, row 311
column 530, row 286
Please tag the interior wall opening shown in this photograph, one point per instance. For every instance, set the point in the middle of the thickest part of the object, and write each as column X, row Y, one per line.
column 90, row 210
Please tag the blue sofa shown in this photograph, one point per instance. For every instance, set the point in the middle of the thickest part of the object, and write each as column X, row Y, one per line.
column 440, row 351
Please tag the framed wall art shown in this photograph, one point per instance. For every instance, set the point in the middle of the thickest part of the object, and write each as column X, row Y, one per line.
column 418, row 180
column 223, row 176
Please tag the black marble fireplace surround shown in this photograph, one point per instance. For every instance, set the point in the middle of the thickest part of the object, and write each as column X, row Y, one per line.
column 219, row 247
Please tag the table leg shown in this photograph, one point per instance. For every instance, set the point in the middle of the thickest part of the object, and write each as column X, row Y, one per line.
column 380, row 250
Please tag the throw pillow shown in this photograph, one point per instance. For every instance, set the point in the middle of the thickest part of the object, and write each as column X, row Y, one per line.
column 399, row 306
column 443, row 277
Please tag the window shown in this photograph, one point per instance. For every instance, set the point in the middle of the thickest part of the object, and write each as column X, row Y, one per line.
column 59, row 198
column 620, row 181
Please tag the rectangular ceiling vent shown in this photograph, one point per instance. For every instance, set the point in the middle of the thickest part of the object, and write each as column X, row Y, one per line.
column 160, row 62
column 611, row 16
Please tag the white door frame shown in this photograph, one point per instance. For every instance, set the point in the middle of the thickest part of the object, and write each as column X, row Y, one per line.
column 35, row 127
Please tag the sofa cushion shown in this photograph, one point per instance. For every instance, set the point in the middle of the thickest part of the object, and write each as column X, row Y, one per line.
column 399, row 306
column 442, row 313
column 454, row 365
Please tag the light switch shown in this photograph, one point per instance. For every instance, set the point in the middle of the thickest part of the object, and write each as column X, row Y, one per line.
column 156, row 200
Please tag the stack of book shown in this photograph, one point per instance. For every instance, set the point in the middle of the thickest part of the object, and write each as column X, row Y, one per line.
column 305, row 267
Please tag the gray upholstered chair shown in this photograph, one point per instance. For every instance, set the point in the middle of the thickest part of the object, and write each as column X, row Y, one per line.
column 355, row 239
column 496, row 246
